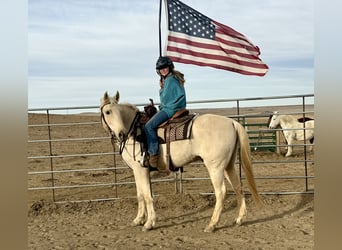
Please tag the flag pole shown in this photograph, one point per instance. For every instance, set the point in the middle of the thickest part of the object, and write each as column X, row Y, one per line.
column 160, row 42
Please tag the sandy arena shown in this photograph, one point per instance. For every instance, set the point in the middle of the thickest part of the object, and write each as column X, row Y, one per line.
column 286, row 221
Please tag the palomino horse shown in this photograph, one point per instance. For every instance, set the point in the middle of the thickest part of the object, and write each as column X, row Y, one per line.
column 293, row 129
column 214, row 139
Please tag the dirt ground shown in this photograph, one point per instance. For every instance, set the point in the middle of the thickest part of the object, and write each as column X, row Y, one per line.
column 285, row 222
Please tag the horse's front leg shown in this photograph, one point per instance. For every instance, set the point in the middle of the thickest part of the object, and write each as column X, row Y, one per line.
column 146, row 213
column 140, row 218
column 289, row 147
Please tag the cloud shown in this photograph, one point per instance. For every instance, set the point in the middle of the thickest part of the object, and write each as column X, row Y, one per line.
column 71, row 37
column 117, row 41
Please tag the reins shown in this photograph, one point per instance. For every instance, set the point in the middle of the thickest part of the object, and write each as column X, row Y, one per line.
column 130, row 131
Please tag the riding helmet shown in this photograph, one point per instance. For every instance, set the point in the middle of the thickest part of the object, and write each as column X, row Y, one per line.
column 164, row 62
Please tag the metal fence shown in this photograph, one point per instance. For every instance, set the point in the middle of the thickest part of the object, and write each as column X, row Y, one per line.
column 70, row 157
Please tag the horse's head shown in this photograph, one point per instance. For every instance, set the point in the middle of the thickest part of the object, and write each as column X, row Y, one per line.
column 117, row 118
column 273, row 121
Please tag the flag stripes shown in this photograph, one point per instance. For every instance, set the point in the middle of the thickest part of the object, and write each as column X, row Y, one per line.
column 196, row 39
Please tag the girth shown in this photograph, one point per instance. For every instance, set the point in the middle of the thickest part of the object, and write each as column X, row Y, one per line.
column 173, row 130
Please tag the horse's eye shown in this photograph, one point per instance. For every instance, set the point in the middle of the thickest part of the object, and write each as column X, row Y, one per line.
column 107, row 112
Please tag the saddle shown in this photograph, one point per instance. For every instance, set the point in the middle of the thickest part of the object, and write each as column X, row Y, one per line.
column 178, row 127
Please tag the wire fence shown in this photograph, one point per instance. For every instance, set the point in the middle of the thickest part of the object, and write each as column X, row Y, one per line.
column 71, row 158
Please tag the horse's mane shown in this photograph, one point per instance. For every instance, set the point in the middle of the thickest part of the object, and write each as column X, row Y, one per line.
column 111, row 101
column 130, row 106
column 107, row 100
column 104, row 102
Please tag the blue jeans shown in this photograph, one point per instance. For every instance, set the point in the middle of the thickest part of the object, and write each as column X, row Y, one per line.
column 151, row 131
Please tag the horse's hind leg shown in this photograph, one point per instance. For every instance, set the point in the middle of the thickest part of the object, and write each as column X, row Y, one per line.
column 311, row 144
column 216, row 176
column 234, row 181
column 289, row 151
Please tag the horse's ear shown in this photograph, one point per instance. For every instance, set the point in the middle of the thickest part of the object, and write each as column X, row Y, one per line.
column 105, row 97
column 117, row 96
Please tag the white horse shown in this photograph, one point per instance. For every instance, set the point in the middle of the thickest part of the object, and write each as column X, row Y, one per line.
column 293, row 129
column 214, row 139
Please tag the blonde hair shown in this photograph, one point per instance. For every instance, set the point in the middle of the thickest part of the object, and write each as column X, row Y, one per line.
column 179, row 76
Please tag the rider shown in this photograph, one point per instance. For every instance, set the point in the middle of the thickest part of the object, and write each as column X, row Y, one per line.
column 172, row 98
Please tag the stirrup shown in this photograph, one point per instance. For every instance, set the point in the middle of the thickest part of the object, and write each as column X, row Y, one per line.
column 151, row 169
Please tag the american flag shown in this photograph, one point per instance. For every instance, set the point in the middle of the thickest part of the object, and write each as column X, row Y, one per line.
column 196, row 39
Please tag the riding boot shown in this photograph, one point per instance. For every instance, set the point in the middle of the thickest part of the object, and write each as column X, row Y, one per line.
column 159, row 173
column 153, row 161
column 146, row 164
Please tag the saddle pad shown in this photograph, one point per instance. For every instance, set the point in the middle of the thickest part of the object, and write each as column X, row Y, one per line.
column 180, row 129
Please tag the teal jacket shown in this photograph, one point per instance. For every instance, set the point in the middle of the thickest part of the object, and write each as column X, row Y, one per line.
column 172, row 96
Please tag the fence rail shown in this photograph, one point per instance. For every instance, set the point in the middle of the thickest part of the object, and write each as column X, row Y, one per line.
column 61, row 149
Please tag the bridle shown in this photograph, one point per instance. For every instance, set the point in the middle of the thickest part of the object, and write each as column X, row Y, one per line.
column 131, row 131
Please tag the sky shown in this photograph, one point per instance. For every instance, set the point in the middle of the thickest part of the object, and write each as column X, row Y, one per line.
column 78, row 49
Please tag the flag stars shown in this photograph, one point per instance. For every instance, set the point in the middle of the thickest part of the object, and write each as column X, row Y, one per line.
column 185, row 20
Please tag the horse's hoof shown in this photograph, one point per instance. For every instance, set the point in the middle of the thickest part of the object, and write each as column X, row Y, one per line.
column 137, row 223
column 146, row 229
column 209, row 229
column 148, row 226
column 133, row 224
column 238, row 222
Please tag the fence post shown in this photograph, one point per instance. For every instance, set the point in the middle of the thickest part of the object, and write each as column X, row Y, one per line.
column 51, row 154
column 278, row 141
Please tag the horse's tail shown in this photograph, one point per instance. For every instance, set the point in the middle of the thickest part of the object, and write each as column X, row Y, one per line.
column 245, row 158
